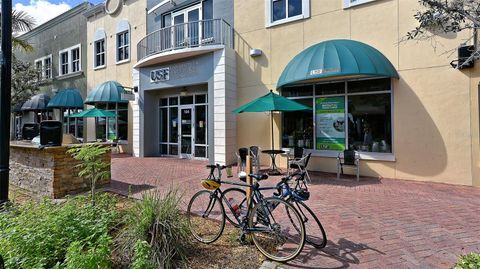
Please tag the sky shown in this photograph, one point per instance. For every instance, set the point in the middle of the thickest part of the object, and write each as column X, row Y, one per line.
column 44, row 10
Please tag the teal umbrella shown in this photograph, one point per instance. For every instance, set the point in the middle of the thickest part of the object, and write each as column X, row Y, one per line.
column 271, row 102
column 67, row 99
column 94, row 113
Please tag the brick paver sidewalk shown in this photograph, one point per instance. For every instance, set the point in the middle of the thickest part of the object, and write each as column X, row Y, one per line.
column 372, row 224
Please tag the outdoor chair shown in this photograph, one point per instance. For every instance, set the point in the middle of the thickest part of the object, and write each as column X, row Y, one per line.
column 241, row 159
column 295, row 154
column 350, row 158
column 255, row 154
column 301, row 165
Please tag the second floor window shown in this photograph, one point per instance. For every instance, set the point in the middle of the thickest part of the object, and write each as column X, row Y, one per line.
column 123, row 43
column 76, row 60
column 44, row 67
column 63, row 63
column 99, row 53
column 282, row 11
column 70, row 60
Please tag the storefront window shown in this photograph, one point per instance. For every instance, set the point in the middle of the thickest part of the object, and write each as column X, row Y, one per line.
column 117, row 127
column 354, row 115
column 298, row 127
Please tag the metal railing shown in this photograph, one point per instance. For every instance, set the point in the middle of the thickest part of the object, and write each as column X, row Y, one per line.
column 186, row 35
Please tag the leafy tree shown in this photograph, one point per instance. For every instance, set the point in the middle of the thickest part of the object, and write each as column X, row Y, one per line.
column 92, row 166
column 24, row 82
column 447, row 16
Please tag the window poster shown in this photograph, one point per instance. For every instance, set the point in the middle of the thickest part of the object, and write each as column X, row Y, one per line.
column 330, row 123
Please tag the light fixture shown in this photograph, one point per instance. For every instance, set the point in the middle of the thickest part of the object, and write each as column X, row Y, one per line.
column 184, row 91
column 255, row 52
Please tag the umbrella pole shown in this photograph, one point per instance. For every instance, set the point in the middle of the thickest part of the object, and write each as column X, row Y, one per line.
column 271, row 120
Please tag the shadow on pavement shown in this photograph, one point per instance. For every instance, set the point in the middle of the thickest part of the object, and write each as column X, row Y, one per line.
column 335, row 255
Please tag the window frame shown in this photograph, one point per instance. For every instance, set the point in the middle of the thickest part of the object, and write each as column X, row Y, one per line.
column 43, row 68
column 118, row 47
column 349, row 4
column 69, row 62
column 95, row 53
column 269, row 13
column 380, row 156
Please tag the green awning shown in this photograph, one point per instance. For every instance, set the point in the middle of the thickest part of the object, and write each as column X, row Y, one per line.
column 107, row 92
column 336, row 59
column 271, row 102
column 93, row 113
column 67, row 98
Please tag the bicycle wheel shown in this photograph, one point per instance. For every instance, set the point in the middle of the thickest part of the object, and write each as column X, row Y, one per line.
column 315, row 234
column 206, row 216
column 240, row 196
column 273, row 233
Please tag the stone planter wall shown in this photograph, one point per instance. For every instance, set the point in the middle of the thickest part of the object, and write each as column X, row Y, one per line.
column 49, row 172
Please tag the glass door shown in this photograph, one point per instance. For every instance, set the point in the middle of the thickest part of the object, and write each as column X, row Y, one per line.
column 186, row 132
column 187, row 26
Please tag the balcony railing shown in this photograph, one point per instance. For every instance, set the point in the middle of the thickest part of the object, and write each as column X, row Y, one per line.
column 186, row 35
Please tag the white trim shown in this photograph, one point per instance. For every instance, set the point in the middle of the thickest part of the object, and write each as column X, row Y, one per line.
column 352, row 3
column 70, row 60
column 125, row 45
column 42, row 60
column 157, row 6
column 269, row 17
column 95, row 67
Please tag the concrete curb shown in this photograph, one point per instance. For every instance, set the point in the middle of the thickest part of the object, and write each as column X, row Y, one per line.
column 274, row 265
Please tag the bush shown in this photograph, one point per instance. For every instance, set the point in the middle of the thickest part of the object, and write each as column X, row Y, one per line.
column 470, row 261
column 47, row 235
column 156, row 233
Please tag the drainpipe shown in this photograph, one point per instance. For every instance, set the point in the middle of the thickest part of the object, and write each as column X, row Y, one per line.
column 5, row 97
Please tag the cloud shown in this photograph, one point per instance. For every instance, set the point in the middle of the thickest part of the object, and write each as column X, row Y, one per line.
column 42, row 10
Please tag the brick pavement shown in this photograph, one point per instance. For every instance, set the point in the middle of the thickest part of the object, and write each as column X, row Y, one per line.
column 371, row 224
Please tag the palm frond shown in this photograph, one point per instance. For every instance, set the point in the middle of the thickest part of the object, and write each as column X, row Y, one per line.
column 21, row 21
column 21, row 44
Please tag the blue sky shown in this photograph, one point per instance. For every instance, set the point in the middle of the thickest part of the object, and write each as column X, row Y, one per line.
column 44, row 10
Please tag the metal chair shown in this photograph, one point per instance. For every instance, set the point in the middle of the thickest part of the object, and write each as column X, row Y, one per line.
column 255, row 154
column 301, row 165
column 350, row 158
column 295, row 154
column 241, row 159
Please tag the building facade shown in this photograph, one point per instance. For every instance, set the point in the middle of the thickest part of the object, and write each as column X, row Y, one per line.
column 113, row 30
column 419, row 122
column 187, row 81
column 60, row 57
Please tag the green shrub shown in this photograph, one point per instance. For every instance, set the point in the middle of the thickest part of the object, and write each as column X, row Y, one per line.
column 48, row 235
column 143, row 253
column 470, row 261
column 157, row 220
column 92, row 166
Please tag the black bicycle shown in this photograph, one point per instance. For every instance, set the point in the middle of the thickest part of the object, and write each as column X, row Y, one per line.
column 315, row 233
column 275, row 225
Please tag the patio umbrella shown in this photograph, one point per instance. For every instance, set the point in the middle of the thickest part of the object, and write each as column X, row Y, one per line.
column 38, row 102
column 94, row 113
column 271, row 102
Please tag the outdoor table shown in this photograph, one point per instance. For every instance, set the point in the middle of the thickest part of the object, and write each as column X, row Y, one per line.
column 273, row 170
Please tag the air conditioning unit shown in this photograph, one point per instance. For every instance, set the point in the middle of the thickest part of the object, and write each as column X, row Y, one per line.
column 464, row 52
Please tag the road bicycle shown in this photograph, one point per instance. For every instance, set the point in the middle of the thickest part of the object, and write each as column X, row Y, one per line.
column 315, row 233
column 275, row 226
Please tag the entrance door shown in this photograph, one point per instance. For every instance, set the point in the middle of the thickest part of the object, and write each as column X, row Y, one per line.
column 186, row 132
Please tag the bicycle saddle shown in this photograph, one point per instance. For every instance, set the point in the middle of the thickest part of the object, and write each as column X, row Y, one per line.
column 259, row 176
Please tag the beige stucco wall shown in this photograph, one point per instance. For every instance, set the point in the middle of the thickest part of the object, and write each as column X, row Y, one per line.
column 435, row 107
column 135, row 13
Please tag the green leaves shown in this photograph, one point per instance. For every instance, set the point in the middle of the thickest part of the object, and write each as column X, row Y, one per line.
column 92, row 166
column 47, row 235
column 470, row 261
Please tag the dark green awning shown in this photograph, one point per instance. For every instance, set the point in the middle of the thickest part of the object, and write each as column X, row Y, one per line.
column 336, row 59
column 67, row 98
column 107, row 92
